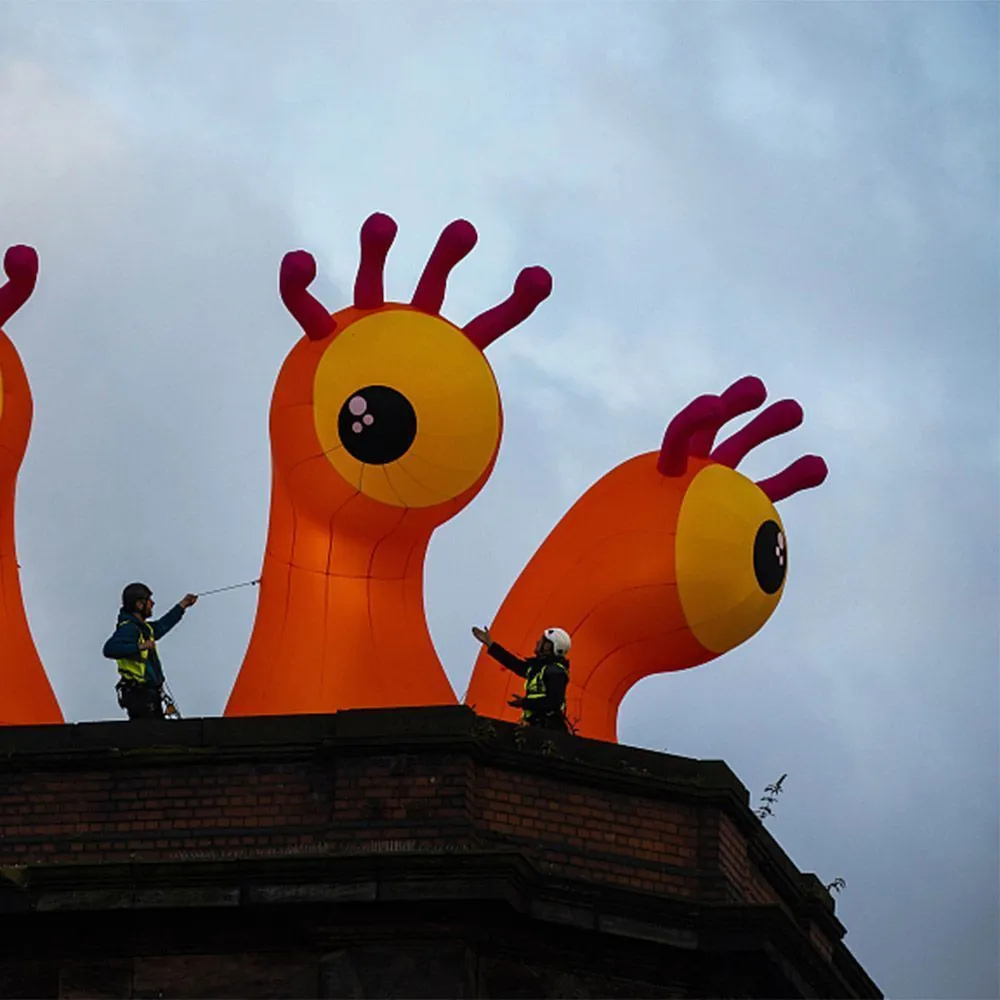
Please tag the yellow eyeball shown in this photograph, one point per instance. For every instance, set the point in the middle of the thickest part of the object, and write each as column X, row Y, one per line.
column 406, row 408
column 731, row 558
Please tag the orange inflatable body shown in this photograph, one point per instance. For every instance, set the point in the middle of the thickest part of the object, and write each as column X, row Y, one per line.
column 666, row 562
column 26, row 696
column 385, row 423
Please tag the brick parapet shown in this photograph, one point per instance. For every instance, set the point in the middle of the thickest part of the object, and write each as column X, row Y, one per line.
column 99, row 798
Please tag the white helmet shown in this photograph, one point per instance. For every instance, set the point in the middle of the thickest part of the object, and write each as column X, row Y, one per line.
column 559, row 639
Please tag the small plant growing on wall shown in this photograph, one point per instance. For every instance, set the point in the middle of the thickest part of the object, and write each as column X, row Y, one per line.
column 770, row 796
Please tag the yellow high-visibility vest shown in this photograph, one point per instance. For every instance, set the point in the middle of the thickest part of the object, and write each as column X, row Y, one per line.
column 135, row 669
column 534, row 686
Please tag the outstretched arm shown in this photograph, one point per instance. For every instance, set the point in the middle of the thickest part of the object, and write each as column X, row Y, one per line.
column 504, row 657
column 507, row 659
column 163, row 625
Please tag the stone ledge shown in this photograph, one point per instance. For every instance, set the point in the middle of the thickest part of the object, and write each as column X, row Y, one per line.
column 358, row 732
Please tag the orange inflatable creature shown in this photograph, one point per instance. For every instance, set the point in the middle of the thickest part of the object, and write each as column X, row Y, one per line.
column 666, row 562
column 385, row 423
column 26, row 696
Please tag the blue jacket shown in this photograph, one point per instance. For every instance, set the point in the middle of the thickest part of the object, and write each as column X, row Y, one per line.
column 124, row 643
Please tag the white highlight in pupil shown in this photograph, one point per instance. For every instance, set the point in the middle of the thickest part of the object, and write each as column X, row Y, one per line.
column 357, row 406
column 356, row 427
column 368, row 419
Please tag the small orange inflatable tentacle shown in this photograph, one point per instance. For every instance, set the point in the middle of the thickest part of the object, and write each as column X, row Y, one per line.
column 26, row 696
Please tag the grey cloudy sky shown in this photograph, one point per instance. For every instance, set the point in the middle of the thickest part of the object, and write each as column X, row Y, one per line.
column 806, row 192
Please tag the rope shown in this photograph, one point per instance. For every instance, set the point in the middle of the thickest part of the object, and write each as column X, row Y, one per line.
column 171, row 700
column 232, row 586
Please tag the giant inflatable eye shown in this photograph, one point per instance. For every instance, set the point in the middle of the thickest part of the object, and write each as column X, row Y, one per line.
column 377, row 425
column 732, row 558
column 769, row 557
column 406, row 408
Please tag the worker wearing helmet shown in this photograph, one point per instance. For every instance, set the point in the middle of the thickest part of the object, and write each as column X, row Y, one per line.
column 546, row 676
column 133, row 645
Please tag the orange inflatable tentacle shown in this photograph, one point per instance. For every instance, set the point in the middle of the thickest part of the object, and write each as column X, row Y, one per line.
column 385, row 423
column 333, row 629
column 665, row 563
column 326, row 640
column 606, row 575
column 26, row 696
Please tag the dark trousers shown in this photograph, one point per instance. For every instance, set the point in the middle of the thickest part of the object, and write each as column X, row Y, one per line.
column 141, row 701
column 556, row 723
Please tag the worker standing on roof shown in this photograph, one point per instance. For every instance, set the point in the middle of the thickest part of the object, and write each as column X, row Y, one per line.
column 133, row 645
column 546, row 676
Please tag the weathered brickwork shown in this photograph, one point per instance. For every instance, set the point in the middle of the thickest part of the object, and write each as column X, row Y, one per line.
column 271, row 857
column 149, row 812
column 643, row 843
column 116, row 813
column 154, row 812
column 745, row 882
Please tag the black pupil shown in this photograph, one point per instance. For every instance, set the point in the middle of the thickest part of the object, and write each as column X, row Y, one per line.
column 377, row 424
column 770, row 557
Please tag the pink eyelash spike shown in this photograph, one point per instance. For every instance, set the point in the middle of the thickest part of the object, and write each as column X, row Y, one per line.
column 20, row 264
column 778, row 418
column 456, row 240
column 298, row 269
column 533, row 286
column 743, row 395
column 803, row 474
column 377, row 234
column 701, row 413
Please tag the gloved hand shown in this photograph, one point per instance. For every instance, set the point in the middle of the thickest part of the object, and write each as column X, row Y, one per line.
column 517, row 702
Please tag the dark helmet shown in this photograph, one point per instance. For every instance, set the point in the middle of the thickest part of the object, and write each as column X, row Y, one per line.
column 134, row 593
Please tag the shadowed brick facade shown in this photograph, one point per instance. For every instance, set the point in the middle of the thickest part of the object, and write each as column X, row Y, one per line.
column 414, row 852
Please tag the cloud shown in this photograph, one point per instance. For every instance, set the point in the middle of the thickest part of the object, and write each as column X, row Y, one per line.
column 805, row 192
column 157, row 282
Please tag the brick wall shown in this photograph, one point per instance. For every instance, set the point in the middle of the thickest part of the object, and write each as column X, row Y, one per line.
column 152, row 811
column 608, row 834
column 642, row 842
column 744, row 881
column 169, row 810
